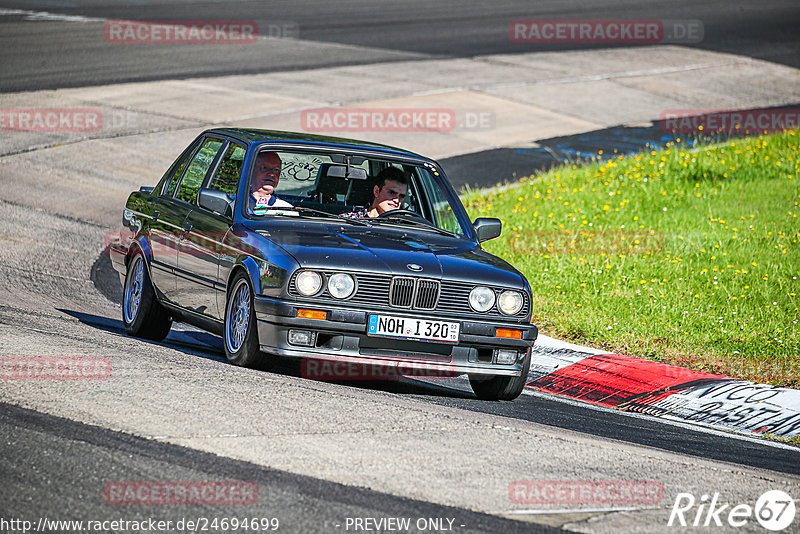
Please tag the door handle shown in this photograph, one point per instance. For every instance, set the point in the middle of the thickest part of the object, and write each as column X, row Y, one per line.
column 156, row 216
column 186, row 230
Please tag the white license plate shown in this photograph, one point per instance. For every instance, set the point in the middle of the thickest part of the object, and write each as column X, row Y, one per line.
column 407, row 327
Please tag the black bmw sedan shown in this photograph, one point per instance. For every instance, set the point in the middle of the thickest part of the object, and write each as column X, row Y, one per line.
column 337, row 251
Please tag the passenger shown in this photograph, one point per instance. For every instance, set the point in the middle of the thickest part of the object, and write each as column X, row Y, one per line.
column 266, row 174
column 389, row 193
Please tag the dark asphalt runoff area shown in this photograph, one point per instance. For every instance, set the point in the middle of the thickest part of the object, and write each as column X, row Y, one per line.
column 43, row 52
column 492, row 167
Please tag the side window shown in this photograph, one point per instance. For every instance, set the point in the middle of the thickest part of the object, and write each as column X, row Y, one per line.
column 445, row 218
column 197, row 170
column 170, row 179
column 230, row 169
column 443, row 214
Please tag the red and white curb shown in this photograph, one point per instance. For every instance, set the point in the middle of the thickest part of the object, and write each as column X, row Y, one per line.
column 644, row 386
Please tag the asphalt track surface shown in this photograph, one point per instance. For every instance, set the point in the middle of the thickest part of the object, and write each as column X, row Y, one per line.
column 538, row 408
column 54, row 53
column 57, row 54
column 301, row 504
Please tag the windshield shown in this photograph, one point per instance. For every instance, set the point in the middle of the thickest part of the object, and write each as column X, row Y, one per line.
column 365, row 190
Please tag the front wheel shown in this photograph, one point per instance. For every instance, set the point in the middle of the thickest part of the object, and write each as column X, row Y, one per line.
column 501, row 387
column 241, row 332
column 142, row 314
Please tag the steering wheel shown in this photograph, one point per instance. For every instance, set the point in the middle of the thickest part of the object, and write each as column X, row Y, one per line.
column 397, row 212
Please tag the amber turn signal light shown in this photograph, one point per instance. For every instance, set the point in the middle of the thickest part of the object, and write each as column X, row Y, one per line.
column 312, row 314
column 508, row 333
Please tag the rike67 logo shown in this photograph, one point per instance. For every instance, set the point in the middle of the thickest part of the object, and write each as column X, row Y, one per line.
column 774, row 510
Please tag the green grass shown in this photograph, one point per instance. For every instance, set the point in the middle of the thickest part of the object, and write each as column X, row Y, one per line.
column 792, row 441
column 688, row 256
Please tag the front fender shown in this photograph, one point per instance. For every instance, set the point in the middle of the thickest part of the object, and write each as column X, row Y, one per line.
column 140, row 244
column 249, row 265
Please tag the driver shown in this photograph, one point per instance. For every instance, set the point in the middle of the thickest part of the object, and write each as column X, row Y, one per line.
column 266, row 174
column 388, row 194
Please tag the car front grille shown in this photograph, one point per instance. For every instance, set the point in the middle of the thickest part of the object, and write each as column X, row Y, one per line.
column 427, row 295
column 407, row 292
column 417, row 293
column 402, row 293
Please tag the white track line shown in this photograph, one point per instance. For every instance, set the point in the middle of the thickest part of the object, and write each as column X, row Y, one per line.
column 567, row 511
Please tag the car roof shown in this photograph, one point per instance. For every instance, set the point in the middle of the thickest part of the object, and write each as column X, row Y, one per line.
column 253, row 136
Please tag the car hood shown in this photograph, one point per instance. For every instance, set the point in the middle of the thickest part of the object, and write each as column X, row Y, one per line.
column 388, row 249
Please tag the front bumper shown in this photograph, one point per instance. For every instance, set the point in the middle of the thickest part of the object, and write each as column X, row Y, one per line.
column 117, row 255
column 342, row 337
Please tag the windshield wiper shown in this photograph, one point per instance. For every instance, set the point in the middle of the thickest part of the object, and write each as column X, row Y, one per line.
column 427, row 225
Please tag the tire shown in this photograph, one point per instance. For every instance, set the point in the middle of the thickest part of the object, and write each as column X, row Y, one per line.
column 495, row 388
column 241, row 331
column 142, row 314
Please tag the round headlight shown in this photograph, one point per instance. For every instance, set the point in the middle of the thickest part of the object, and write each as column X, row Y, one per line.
column 510, row 302
column 481, row 299
column 308, row 283
column 341, row 285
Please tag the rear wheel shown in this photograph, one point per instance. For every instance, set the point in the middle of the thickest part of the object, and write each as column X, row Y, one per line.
column 142, row 314
column 501, row 387
column 241, row 332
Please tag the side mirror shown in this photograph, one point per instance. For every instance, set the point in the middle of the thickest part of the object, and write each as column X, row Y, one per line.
column 487, row 228
column 147, row 189
column 216, row 201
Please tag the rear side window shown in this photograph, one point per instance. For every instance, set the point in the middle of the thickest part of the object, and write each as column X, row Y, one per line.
column 173, row 175
column 230, row 169
column 198, row 169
